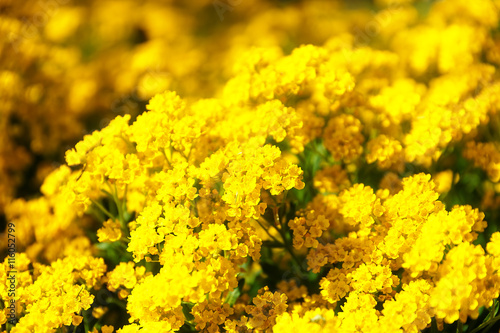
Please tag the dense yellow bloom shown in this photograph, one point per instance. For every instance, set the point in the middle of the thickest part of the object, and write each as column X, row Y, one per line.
column 278, row 179
column 124, row 275
column 208, row 315
column 307, row 229
column 465, row 284
column 336, row 285
column 493, row 248
column 360, row 206
column 267, row 307
column 409, row 310
column 372, row 278
column 358, row 313
column 343, row 138
column 398, row 101
column 417, row 199
column 387, row 152
column 57, row 292
column 216, row 238
column 331, row 179
column 45, row 226
column 317, row 320
column 109, row 232
column 292, row 291
column 442, row 229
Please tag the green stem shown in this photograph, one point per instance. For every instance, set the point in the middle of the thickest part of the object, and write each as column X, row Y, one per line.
column 273, row 245
column 166, row 158
column 117, row 302
column 486, row 324
column 283, row 236
column 294, row 257
column 493, row 310
column 104, row 210
column 285, row 194
column 75, row 326
column 434, row 328
column 130, row 145
column 119, row 206
column 183, row 155
column 267, row 232
column 327, row 158
column 124, row 201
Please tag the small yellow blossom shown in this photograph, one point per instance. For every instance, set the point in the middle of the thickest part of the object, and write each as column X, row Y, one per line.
column 111, row 231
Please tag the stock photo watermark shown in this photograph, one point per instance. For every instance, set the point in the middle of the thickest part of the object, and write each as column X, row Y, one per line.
column 11, row 281
column 371, row 29
column 32, row 24
column 222, row 7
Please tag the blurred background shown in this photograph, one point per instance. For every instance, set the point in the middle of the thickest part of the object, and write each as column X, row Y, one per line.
column 67, row 67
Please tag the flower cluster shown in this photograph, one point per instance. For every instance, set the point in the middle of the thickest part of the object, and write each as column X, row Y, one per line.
column 334, row 178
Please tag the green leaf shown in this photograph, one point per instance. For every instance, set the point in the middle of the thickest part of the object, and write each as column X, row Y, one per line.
column 233, row 295
column 186, row 310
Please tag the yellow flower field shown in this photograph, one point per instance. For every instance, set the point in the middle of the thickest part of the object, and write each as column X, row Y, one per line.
column 250, row 166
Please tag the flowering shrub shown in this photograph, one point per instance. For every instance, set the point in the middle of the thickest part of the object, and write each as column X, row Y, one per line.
column 348, row 184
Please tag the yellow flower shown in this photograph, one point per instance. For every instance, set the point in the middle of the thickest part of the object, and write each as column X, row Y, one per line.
column 360, row 205
column 111, row 231
column 387, row 152
column 460, row 289
column 332, row 179
column 343, row 137
column 307, row 230
column 312, row 321
column 410, row 308
column 124, row 275
column 267, row 306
